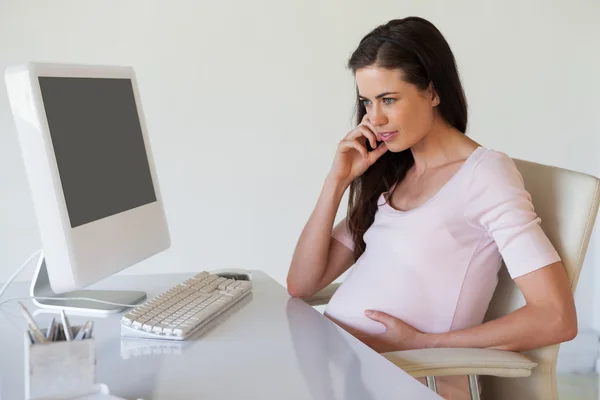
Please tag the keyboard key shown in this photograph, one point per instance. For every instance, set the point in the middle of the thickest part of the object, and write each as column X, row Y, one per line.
column 158, row 328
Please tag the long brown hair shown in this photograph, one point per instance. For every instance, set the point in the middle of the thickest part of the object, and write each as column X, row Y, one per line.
column 420, row 51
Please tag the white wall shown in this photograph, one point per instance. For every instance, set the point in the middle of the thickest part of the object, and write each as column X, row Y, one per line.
column 246, row 101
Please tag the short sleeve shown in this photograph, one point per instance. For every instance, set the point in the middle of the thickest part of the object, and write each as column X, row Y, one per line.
column 498, row 203
column 341, row 233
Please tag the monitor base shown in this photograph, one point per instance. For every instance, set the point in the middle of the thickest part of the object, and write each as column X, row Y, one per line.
column 40, row 287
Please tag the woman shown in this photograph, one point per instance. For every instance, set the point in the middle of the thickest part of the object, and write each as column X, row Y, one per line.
column 431, row 215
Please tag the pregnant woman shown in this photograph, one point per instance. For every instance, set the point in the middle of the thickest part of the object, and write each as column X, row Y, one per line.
column 431, row 216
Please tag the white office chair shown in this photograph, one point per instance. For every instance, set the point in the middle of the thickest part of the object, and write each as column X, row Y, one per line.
column 567, row 203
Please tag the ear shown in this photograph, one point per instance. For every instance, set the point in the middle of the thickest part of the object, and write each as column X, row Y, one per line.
column 433, row 95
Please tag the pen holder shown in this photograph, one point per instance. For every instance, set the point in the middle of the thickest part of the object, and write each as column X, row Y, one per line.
column 59, row 367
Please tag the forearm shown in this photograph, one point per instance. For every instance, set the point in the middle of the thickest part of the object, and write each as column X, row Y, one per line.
column 309, row 261
column 524, row 329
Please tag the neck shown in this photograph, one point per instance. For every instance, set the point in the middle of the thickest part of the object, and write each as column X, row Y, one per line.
column 437, row 148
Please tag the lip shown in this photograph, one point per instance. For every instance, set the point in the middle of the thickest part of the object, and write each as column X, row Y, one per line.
column 387, row 136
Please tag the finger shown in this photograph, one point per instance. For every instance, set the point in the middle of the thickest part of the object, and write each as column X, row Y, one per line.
column 378, row 152
column 370, row 134
column 364, row 131
column 368, row 124
column 353, row 144
column 379, row 316
column 365, row 121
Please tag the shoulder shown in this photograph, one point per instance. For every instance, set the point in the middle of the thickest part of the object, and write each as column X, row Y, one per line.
column 494, row 168
column 494, row 186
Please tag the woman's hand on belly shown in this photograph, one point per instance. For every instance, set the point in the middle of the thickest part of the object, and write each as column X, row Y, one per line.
column 398, row 335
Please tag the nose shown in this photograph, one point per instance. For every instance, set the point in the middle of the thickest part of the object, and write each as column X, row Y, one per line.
column 376, row 115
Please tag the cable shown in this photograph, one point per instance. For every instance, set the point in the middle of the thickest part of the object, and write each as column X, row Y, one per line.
column 17, row 272
column 67, row 299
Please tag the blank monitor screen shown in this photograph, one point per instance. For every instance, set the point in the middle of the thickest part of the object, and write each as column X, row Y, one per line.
column 98, row 144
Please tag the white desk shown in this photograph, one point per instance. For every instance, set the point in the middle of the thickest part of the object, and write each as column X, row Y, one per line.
column 274, row 347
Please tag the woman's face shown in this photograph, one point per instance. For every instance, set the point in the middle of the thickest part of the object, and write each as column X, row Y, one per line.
column 401, row 114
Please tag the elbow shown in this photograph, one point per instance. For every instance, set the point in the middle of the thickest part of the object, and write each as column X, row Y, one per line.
column 291, row 285
column 568, row 324
column 296, row 291
column 565, row 327
column 299, row 284
column 292, row 290
column 568, row 329
column 571, row 334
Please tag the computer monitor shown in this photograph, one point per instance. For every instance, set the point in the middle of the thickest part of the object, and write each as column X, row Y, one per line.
column 91, row 173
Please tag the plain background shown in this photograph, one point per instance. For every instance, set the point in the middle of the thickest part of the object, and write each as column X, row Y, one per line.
column 245, row 103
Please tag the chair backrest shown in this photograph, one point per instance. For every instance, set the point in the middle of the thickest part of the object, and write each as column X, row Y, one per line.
column 567, row 203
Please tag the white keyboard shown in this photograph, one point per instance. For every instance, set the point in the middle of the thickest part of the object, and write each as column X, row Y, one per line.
column 179, row 312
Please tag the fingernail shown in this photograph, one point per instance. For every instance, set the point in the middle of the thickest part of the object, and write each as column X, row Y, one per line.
column 368, row 312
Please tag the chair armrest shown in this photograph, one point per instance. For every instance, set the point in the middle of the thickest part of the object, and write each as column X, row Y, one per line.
column 451, row 362
column 322, row 296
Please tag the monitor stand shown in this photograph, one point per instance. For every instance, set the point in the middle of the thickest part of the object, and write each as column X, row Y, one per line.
column 40, row 287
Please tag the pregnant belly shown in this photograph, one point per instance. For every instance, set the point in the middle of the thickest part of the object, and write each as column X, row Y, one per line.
column 348, row 311
column 410, row 299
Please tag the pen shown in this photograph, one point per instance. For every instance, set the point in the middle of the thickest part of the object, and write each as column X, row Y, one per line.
column 56, row 332
column 35, row 331
column 81, row 334
column 30, row 336
column 66, row 326
column 59, row 332
column 88, row 334
column 50, row 331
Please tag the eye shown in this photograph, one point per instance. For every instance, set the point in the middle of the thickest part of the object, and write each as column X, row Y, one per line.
column 388, row 100
column 366, row 102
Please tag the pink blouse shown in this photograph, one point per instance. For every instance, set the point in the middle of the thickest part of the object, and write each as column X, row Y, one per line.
column 435, row 267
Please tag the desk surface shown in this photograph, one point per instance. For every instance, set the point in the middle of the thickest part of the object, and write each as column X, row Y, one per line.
column 272, row 347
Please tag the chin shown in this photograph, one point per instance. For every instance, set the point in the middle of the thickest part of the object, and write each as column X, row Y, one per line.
column 396, row 147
